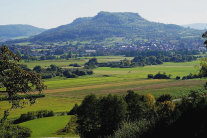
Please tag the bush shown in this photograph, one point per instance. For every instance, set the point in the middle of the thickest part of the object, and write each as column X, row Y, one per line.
column 177, row 77
column 161, row 76
column 191, row 76
column 150, row 76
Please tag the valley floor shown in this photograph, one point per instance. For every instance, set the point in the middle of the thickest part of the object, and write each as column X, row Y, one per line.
column 62, row 93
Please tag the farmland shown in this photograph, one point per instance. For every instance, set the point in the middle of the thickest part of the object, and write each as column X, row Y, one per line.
column 63, row 93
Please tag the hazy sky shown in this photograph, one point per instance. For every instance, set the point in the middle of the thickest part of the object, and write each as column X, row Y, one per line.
column 52, row 13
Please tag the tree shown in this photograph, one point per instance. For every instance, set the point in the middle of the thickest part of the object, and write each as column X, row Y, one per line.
column 69, row 54
column 149, row 100
column 100, row 117
column 125, row 63
column 92, row 63
column 112, row 113
column 163, row 98
column 205, row 36
column 204, row 67
column 88, row 119
column 14, row 80
column 37, row 69
column 135, row 106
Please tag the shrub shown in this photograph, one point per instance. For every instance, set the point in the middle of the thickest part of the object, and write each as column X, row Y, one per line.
column 161, row 76
column 150, row 76
column 177, row 77
column 191, row 76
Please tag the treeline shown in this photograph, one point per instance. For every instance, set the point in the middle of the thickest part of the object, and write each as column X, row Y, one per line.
column 141, row 60
column 33, row 115
column 53, row 71
column 158, row 57
column 141, row 116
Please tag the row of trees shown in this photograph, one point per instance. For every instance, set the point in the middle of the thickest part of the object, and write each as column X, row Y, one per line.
column 53, row 71
column 144, row 58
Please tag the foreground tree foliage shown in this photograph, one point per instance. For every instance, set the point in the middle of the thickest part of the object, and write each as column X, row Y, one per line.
column 14, row 81
column 99, row 117
column 141, row 116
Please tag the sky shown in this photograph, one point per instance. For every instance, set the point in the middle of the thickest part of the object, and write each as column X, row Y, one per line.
column 53, row 13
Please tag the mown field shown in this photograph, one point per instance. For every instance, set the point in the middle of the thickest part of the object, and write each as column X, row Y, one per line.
column 63, row 93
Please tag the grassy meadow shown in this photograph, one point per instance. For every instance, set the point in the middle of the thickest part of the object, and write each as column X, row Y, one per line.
column 46, row 127
column 63, row 93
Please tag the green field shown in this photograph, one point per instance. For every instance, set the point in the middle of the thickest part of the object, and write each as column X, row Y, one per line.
column 46, row 127
column 63, row 93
